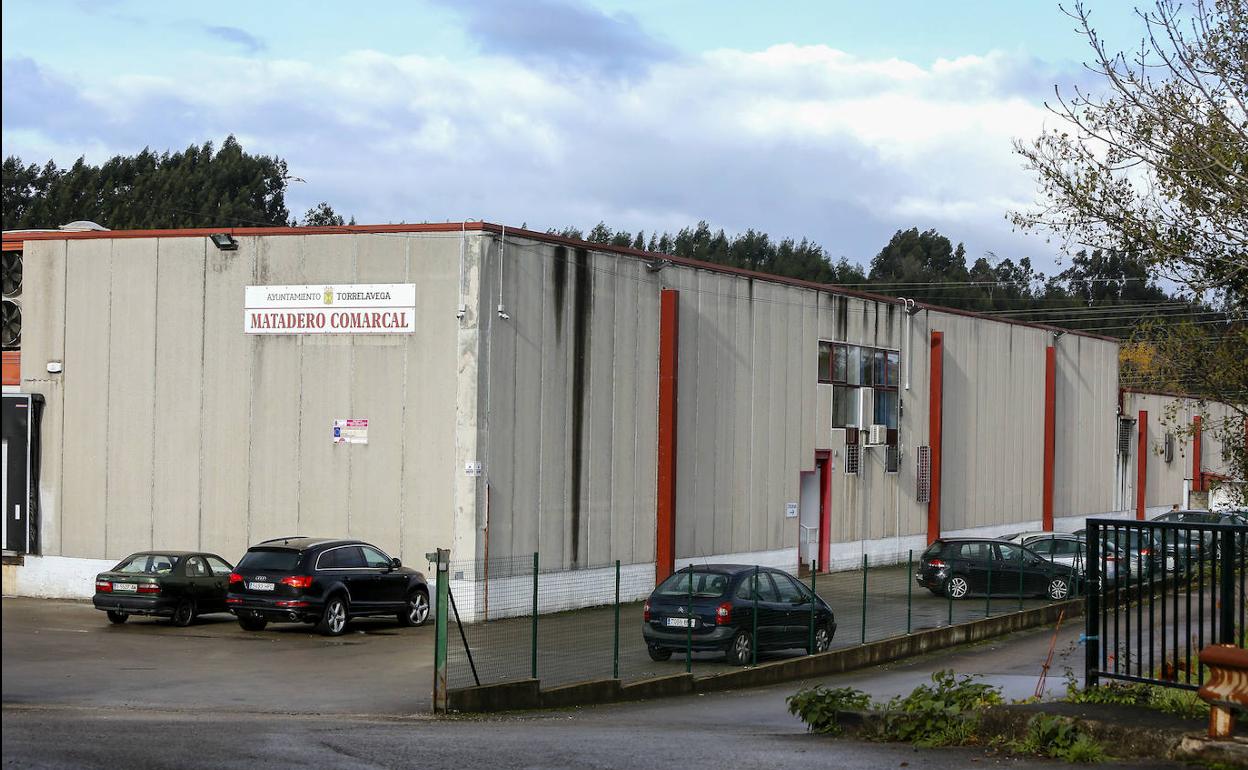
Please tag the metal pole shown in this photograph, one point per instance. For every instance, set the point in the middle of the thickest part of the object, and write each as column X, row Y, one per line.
column 440, row 558
column 814, row 598
column 1227, row 599
column 754, row 631
column 1022, row 560
column 615, row 653
column 1092, row 613
column 909, row 588
column 988, row 594
column 689, row 628
column 533, row 666
column 863, row 639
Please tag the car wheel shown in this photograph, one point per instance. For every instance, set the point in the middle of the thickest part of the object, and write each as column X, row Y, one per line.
column 956, row 587
column 252, row 622
column 658, row 653
column 823, row 640
column 118, row 618
column 334, row 619
column 1059, row 588
column 741, row 650
column 417, row 610
column 184, row 614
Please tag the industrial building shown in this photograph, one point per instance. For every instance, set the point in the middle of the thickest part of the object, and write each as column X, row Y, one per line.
column 499, row 392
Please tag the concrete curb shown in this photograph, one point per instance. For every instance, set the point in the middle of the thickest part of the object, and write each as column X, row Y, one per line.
column 527, row 693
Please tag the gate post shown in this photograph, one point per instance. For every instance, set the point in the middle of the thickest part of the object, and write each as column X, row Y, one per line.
column 1092, row 607
column 441, row 558
column 1226, row 623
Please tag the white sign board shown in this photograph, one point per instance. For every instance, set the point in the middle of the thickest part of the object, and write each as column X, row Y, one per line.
column 790, row 510
column 359, row 308
column 350, row 431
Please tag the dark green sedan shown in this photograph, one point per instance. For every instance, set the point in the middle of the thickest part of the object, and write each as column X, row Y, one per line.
column 179, row 585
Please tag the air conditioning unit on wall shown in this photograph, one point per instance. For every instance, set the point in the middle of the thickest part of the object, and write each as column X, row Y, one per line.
column 877, row 434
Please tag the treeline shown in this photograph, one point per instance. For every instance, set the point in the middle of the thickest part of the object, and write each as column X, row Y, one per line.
column 198, row 187
column 1105, row 292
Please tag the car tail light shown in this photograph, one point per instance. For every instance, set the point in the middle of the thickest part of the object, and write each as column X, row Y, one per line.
column 149, row 588
column 104, row 586
column 645, row 612
column 235, row 578
column 937, row 563
column 233, row 600
column 1146, row 552
column 297, row 581
column 292, row 604
column 723, row 613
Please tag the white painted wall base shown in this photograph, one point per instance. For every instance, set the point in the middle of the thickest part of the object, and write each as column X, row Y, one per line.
column 54, row 577
column 889, row 550
column 512, row 596
column 783, row 558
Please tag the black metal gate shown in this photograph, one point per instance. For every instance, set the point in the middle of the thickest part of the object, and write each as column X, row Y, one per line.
column 1158, row 592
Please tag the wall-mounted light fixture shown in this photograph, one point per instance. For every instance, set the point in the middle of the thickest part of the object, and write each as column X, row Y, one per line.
column 224, row 241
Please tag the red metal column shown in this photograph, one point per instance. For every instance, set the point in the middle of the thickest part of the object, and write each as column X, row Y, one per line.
column 1050, row 434
column 1141, row 459
column 825, row 509
column 1197, row 481
column 934, row 428
column 665, row 507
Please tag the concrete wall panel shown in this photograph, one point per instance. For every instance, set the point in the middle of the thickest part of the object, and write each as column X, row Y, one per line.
column 88, row 266
column 131, row 396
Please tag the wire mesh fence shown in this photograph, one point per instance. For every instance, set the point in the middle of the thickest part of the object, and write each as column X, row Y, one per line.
column 519, row 619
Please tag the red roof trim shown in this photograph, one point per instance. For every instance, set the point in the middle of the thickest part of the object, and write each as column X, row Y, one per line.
column 14, row 240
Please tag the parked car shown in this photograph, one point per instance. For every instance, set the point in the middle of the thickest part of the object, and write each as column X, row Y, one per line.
column 1069, row 549
column 1142, row 554
column 720, row 616
column 959, row 567
column 179, row 585
column 323, row 582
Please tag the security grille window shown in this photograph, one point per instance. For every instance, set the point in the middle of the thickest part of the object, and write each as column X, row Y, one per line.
column 852, row 370
column 891, row 458
column 923, row 474
column 853, row 455
column 1124, row 436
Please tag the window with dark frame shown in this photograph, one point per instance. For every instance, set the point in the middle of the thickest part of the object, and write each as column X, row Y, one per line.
column 850, row 368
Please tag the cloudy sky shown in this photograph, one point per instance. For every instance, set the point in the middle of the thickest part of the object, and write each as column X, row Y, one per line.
column 839, row 121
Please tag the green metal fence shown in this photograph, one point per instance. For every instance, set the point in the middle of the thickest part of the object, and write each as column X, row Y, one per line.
column 520, row 618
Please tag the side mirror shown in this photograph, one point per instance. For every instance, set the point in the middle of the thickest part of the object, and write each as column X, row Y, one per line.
column 395, row 563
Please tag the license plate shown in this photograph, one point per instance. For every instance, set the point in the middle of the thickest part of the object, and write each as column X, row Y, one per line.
column 682, row 622
column 125, row 587
column 260, row 586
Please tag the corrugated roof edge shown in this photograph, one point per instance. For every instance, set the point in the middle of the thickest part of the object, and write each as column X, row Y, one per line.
column 1169, row 394
column 14, row 240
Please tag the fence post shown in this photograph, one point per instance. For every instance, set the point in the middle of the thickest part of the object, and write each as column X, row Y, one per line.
column 863, row 639
column 949, row 599
column 441, row 559
column 1092, row 611
column 1226, row 625
column 754, row 630
column 814, row 600
column 909, row 588
column 533, row 666
column 988, row 594
column 1022, row 562
column 689, row 628
column 615, row 652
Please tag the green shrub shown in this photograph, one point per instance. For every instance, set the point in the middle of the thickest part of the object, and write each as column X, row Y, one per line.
column 819, row 707
column 944, row 713
column 1059, row 738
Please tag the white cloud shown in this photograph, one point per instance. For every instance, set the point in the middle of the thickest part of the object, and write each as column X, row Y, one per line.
column 794, row 140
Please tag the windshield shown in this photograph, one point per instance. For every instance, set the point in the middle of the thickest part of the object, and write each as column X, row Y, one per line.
column 147, row 564
column 277, row 560
column 705, row 585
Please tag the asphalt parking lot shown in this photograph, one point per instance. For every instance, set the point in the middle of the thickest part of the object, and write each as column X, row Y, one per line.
column 66, row 653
